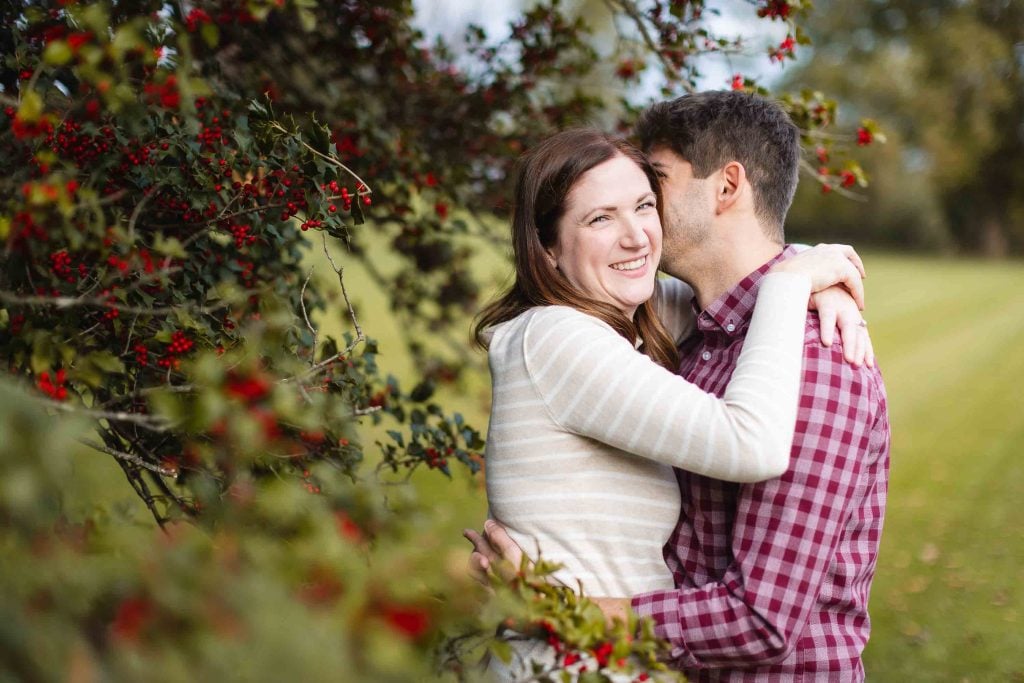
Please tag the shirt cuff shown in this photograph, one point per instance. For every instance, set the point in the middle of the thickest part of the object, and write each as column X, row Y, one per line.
column 662, row 607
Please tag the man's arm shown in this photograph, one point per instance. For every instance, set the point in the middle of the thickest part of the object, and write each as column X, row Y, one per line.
column 786, row 530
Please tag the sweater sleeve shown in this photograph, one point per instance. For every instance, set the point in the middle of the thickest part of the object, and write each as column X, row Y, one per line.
column 672, row 305
column 593, row 383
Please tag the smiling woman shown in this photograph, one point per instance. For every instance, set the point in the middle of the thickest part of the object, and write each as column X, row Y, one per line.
column 583, row 376
column 575, row 191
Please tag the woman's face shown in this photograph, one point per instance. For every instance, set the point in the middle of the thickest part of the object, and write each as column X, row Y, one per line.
column 609, row 237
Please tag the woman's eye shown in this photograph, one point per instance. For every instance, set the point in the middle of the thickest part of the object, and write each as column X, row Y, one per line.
column 599, row 219
column 645, row 205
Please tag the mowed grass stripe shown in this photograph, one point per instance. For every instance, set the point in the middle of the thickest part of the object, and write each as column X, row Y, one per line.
column 932, row 377
column 947, row 602
column 909, row 299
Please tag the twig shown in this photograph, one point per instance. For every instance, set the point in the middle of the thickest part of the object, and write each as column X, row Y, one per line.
column 302, row 302
column 359, row 337
column 323, row 156
column 344, row 292
column 153, row 423
column 142, row 491
column 128, row 458
column 841, row 191
column 211, row 224
column 72, row 301
column 136, row 212
column 131, row 331
column 631, row 10
column 358, row 412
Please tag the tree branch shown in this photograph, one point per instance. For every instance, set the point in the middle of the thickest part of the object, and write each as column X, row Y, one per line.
column 344, row 292
column 838, row 189
column 154, row 423
column 631, row 10
column 61, row 302
column 325, row 157
column 130, row 458
column 305, row 315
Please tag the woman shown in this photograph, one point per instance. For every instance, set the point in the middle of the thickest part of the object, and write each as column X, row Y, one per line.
column 583, row 381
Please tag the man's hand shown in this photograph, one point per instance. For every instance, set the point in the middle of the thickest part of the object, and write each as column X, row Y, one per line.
column 493, row 550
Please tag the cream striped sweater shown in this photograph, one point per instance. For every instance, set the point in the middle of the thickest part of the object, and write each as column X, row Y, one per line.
column 585, row 430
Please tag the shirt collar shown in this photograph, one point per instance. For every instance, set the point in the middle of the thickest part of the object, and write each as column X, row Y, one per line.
column 730, row 313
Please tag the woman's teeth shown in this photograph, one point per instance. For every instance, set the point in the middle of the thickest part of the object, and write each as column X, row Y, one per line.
column 630, row 265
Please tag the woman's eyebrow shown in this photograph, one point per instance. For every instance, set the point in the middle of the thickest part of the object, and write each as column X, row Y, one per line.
column 597, row 209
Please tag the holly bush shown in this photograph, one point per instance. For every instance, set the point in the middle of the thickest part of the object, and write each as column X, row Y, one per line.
column 173, row 170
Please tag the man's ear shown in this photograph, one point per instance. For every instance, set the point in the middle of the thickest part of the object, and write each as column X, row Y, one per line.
column 732, row 185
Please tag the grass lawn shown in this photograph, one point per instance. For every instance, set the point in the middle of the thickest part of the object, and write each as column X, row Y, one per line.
column 948, row 599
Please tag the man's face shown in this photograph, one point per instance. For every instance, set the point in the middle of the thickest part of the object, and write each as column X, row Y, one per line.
column 688, row 204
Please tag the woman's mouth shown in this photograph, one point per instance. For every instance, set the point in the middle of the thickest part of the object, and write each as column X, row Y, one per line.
column 635, row 264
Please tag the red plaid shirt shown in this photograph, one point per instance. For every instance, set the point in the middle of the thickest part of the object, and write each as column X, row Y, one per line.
column 772, row 578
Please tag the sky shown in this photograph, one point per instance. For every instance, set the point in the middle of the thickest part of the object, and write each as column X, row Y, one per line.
column 448, row 19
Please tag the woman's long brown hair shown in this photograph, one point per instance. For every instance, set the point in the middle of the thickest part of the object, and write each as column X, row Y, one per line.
column 547, row 173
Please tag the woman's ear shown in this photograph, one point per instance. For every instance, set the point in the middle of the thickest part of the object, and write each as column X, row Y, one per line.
column 552, row 255
column 732, row 186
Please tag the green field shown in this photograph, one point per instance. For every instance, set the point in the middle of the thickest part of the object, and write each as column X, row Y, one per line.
column 948, row 600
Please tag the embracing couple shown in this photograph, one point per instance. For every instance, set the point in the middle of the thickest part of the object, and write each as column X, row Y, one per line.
column 702, row 448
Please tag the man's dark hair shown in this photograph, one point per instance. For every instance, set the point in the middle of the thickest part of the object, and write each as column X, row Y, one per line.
column 710, row 129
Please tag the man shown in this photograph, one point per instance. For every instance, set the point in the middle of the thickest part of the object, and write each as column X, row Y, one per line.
column 772, row 579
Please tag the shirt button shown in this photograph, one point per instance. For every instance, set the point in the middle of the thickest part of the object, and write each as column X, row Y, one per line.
column 730, row 328
column 706, row 355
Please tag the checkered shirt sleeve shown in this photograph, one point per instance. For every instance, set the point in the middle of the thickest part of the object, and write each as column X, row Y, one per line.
column 787, row 529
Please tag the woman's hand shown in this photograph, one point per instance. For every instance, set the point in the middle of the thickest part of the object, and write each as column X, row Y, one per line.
column 827, row 265
column 836, row 308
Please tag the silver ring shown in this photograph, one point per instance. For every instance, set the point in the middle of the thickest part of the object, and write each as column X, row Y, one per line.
column 863, row 322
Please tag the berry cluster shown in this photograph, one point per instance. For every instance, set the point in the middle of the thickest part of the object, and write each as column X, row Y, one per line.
column 435, row 460
column 247, row 388
column 243, row 234
column 774, row 9
column 179, row 345
column 54, row 388
column 61, row 266
column 195, row 18
column 787, row 48
column 141, row 354
column 68, row 142
column 165, row 93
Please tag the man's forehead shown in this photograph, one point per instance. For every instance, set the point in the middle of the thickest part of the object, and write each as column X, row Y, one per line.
column 664, row 158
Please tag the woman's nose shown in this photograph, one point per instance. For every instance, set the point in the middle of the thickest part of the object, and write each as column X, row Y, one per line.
column 633, row 234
